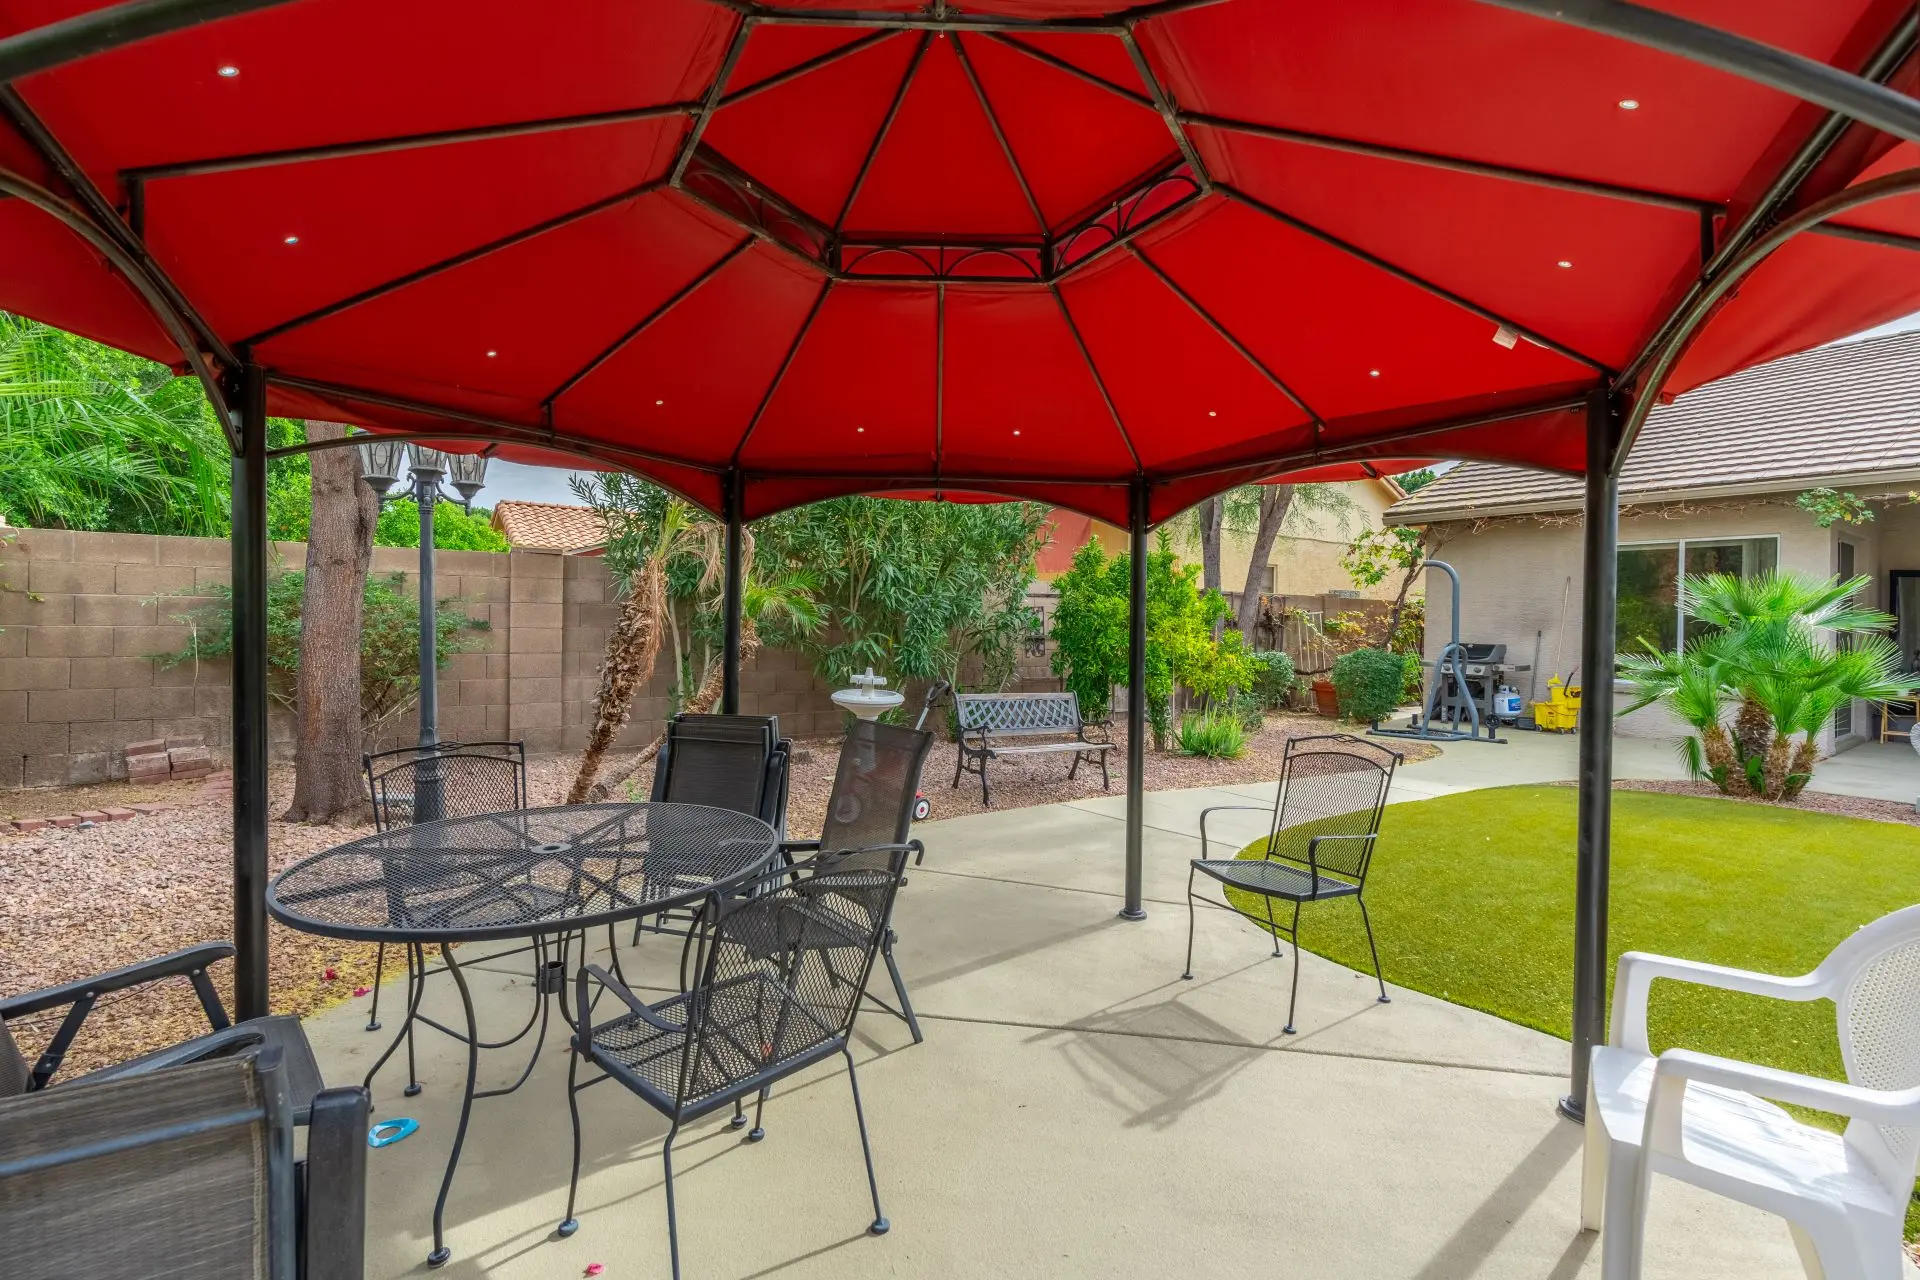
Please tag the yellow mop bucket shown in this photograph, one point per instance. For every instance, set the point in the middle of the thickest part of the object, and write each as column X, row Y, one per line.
column 1560, row 713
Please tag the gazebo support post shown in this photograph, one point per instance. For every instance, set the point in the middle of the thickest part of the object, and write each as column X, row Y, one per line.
column 249, row 550
column 1136, row 698
column 1599, row 596
column 730, row 648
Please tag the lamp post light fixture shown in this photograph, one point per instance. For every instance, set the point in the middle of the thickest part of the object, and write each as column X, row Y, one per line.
column 380, row 465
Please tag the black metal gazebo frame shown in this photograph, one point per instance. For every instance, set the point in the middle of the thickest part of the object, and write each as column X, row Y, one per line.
column 1614, row 411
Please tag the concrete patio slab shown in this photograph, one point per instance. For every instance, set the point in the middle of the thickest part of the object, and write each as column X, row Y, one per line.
column 1076, row 1111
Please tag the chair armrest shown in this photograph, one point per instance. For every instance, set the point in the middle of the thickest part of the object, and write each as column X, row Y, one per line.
column 1633, row 979
column 1676, row 1067
column 1222, row 808
column 610, row 983
column 1313, row 849
column 217, row 1044
column 1105, row 727
column 188, row 960
column 333, row 1236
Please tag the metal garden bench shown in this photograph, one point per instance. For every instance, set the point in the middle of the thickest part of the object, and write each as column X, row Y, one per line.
column 993, row 725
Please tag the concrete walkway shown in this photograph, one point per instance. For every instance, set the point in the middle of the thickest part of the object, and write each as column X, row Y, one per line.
column 1076, row 1111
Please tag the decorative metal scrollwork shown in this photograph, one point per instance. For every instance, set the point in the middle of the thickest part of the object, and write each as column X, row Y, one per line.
column 1126, row 216
column 1016, row 263
column 736, row 194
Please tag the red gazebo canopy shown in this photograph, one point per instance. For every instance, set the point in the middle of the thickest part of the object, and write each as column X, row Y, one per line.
column 1031, row 248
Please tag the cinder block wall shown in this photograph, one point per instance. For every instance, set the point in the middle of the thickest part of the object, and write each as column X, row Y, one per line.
column 83, row 614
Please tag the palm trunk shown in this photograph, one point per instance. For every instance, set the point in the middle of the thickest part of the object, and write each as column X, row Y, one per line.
column 1800, row 772
column 1773, row 772
column 329, row 735
column 702, row 702
column 1722, row 762
column 632, row 650
column 1753, row 728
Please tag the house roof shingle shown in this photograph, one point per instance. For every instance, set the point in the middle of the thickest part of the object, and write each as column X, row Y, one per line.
column 548, row 526
column 1847, row 414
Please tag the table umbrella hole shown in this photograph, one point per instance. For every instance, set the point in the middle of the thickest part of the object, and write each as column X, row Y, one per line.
column 388, row 1132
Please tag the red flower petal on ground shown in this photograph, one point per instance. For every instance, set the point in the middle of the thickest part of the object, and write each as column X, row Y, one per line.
column 360, row 991
column 595, row 1268
column 329, row 975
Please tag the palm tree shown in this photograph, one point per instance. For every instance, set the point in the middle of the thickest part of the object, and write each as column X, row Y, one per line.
column 93, row 438
column 1766, row 654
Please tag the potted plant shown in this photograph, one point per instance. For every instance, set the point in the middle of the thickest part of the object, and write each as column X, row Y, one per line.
column 1326, row 699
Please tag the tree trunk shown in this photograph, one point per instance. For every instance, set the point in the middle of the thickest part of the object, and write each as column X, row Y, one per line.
column 327, row 786
column 1800, row 772
column 1753, row 728
column 632, row 650
column 1773, row 772
column 1274, row 501
column 1212, row 515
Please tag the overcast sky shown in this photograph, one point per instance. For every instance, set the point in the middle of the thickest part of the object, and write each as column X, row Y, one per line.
column 549, row 484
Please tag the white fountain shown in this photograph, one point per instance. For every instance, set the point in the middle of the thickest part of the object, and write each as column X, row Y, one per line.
column 871, row 699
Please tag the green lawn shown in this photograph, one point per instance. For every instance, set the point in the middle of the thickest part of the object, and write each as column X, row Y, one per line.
column 1472, row 901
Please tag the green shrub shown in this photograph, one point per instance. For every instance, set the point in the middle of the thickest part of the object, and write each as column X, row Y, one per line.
column 1368, row 683
column 1274, row 677
column 1413, row 686
column 1250, row 711
column 389, row 640
column 1217, row 737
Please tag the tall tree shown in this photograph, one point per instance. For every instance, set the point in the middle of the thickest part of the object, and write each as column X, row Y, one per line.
column 1275, row 501
column 328, row 744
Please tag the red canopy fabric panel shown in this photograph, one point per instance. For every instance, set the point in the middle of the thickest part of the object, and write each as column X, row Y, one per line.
column 980, row 252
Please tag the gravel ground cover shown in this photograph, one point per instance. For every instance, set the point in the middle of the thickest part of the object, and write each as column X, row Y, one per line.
column 80, row 901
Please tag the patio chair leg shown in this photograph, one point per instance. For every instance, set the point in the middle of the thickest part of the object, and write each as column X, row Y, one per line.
column 880, row 1224
column 1375, row 950
column 959, row 762
column 1294, row 997
column 673, row 1223
column 1273, row 928
column 1106, row 779
column 571, row 1224
column 757, row 1132
column 900, row 987
column 379, row 967
column 739, row 1120
column 1187, row 973
column 986, row 797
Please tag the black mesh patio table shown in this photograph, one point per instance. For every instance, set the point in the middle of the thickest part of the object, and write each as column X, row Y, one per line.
column 531, row 874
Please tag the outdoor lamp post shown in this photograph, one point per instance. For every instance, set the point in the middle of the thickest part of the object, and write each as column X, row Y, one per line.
column 380, row 464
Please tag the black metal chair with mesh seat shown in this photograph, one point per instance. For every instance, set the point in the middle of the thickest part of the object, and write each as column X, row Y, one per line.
column 727, row 762
column 461, row 779
column 766, row 999
column 185, row 1172
column 75, row 1001
column 870, row 816
column 1326, row 821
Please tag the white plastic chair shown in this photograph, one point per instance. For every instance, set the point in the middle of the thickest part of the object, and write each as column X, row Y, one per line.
column 1704, row 1119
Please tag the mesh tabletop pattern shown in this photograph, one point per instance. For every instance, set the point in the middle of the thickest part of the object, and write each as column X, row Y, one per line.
column 518, row 874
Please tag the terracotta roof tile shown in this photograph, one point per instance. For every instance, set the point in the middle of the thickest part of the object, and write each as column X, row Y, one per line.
column 548, row 526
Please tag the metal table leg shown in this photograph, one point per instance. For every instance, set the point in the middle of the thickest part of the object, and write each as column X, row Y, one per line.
column 440, row 1252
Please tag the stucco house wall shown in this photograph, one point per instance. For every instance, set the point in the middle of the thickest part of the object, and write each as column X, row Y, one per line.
column 1521, row 579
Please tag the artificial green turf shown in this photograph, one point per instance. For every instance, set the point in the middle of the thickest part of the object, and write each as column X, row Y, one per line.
column 1472, row 900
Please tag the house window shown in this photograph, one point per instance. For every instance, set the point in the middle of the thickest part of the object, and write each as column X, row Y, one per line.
column 1649, row 612
column 1269, row 580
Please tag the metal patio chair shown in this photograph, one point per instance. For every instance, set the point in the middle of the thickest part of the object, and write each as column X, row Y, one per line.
column 766, row 999
column 729, row 762
column 76, row 1001
column 1712, row 1121
column 1326, row 820
column 469, row 778
column 183, row 1173
column 870, row 815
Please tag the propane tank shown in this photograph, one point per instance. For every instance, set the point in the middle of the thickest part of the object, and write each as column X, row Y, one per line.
column 1506, row 703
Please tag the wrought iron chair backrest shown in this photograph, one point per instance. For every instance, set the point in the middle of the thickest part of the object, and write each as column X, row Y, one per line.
column 179, row 1174
column 14, row 1071
column 780, row 968
column 474, row 777
column 1331, row 785
column 1013, row 714
column 871, row 805
column 728, row 762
